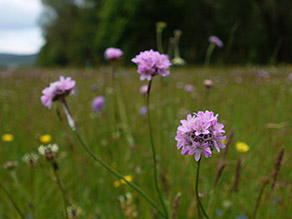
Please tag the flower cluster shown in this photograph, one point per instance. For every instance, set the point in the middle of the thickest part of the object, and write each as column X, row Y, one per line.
column 10, row 165
column 151, row 63
column 49, row 151
column 216, row 40
column 113, row 53
column 200, row 134
column 57, row 90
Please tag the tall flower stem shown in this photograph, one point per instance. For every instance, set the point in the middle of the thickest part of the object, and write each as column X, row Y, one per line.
column 209, row 53
column 12, row 201
column 108, row 168
column 153, row 152
column 197, row 191
column 61, row 187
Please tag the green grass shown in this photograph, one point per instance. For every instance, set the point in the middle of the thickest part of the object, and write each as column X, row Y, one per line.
column 247, row 106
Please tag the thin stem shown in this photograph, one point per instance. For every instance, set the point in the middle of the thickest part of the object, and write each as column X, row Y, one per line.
column 12, row 201
column 197, row 190
column 107, row 167
column 259, row 200
column 159, row 41
column 61, row 187
column 209, row 53
column 115, row 173
column 153, row 151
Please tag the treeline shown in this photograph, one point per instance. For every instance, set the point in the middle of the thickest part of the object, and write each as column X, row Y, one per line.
column 254, row 31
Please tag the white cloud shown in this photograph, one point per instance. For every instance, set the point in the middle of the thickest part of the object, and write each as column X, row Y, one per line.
column 24, row 41
column 19, row 30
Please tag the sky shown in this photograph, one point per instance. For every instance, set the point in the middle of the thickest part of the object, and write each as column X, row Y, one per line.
column 20, row 32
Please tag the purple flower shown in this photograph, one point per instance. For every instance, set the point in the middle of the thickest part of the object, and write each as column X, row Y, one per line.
column 200, row 134
column 151, row 63
column 57, row 90
column 189, row 88
column 143, row 110
column 98, row 104
column 290, row 77
column 216, row 40
column 263, row 74
column 113, row 53
column 144, row 89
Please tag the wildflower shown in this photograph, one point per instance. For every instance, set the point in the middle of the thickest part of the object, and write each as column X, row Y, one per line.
column 73, row 212
column 263, row 74
column 113, row 53
column 7, row 137
column 151, row 63
column 118, row 183
column 189, row 88
column 143, row 110
column 224, row 141
column 45, row 139
column 144, row 89
column 200, row 134
column 49, row 151
column 10, row 165
column 30, row 159
column 57, row 90
column 289, row 78
column 208, row 83
column 216, row 40
column 98, row 104
column 242, row 147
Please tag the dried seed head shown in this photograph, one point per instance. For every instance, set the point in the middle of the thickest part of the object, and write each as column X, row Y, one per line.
column 73, row 212
column 49, row 151
column 30, row 159
column 10, row 165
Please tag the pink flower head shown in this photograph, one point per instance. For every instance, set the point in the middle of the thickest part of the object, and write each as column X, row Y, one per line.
column 113, row 53
column 144, row 89
column 189, row 88
column 200, row 134
column 57, row 90
column 216, row 40
column 151, row 63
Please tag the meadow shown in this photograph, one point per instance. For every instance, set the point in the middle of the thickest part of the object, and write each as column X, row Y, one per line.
column 257, row 107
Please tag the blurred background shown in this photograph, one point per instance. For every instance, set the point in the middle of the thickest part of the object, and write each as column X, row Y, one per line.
column 76, row 32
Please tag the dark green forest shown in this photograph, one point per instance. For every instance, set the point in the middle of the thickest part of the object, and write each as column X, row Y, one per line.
column 254, row 31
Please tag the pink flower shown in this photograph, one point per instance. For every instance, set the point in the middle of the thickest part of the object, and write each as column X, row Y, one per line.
column 144, row 89
column 113, row 53
column 57, row 90
column 200, row 134
column 216, row 40
column 151, row 63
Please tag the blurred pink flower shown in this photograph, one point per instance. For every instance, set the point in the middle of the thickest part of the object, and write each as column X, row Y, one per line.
column 57, row 90
column 189, row 88
column 98, row 103
column 144, row 89
column 216, row 40
column 113, row 53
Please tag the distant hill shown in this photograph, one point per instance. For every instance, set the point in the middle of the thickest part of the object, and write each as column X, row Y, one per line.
column 17, row 60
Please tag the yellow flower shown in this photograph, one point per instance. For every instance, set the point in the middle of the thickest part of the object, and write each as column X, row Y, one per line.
column 242, row 147
column 7, row 137
column 45, row 139
column 117, row 183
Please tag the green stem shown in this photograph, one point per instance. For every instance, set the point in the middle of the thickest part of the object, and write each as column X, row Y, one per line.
column 108, row 168
column 153, row 152
column 12, row 201
column 159, row 41
column 197, row 190
column 115, row 173
column 61, row 187
column 209, row 53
